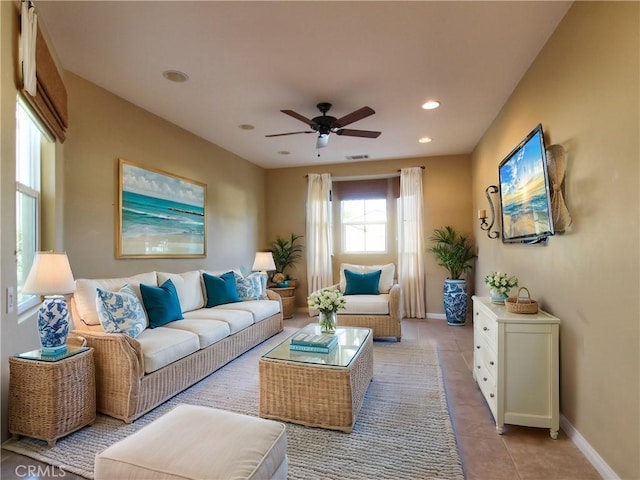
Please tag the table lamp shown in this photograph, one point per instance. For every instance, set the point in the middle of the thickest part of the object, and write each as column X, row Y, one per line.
column 263, row 262
column 51, row 278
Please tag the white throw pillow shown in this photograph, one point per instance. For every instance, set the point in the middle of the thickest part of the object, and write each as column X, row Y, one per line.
column 188, row 287
column 120, row 312
column 386, row 277
column 85, row 294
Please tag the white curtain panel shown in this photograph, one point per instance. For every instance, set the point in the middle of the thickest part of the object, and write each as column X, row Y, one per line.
column 319, row 232
column 411, row 270
column 28, row 33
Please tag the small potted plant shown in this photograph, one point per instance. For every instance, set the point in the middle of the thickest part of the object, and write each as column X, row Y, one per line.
column 327, row 301
column 454, row 252
column 286, row 252
column 499, row 284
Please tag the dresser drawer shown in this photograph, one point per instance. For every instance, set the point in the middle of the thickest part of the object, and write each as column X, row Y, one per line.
column 488, row 387
column 485, row 357
column 484, row 325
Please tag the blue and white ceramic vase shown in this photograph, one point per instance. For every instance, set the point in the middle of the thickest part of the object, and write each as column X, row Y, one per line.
column 53, row 325
column 455, row 301
column 497, row 297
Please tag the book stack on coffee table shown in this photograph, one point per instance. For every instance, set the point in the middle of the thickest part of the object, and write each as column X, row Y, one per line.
column 316, row 343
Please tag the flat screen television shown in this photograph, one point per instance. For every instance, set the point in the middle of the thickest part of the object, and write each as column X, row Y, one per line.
column 525, row 198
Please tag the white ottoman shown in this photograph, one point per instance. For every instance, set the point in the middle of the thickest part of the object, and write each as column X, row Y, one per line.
column 192, row 442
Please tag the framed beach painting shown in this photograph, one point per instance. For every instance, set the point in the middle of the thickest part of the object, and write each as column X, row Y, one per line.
column 160, row 215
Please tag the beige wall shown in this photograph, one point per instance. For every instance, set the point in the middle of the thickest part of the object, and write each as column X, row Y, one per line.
column 447, row 201
column 583, row 88
column 104, row 127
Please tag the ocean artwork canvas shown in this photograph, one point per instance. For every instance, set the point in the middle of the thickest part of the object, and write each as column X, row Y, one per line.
column 160, row 214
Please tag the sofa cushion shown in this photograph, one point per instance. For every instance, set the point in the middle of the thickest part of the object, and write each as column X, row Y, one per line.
column 220, row 290
column 386, row 277
column 259, row 309
column 162, row 346
column 236, row 319
column 362, row 283
column 208, row 331
column 188, row 286
column 85, row 294
column 121, row 311
column 252, row 287
column 366, row 305
column 162, row 303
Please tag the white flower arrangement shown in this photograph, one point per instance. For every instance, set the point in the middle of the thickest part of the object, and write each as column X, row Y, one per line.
column 327, row 300
column 501, row 282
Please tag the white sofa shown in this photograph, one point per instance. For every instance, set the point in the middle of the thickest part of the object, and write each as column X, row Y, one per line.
column 380, row 312
column 134, row 375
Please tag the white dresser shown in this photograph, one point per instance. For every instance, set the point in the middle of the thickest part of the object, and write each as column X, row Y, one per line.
column 515, row 363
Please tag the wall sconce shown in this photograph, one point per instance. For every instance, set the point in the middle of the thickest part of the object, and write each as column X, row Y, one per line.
column 482, row 214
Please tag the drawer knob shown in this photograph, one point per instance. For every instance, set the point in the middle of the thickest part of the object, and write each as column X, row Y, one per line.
column 491, row 395
column 477, row 313
column 478, row 347
column 484, row 378
column 491, row 362
column 485, row 328
column 478, row 367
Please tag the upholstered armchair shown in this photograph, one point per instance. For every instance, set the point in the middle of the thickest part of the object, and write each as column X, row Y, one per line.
column 379, row 311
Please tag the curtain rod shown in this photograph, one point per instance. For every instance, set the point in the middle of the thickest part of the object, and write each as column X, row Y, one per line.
column 421, row 166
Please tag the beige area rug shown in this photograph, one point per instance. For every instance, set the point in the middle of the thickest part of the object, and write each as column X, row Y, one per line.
column 403, row 430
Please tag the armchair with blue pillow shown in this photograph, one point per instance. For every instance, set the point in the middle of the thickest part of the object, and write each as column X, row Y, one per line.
column 372, row 299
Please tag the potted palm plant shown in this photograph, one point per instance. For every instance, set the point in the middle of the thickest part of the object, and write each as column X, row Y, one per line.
column 286, row 252
column 454, row 252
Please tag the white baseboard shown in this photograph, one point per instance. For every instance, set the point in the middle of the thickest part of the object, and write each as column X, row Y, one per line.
column 437, row 316
column 587, row 450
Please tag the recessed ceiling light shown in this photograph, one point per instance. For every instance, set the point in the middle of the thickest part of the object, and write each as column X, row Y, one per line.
column 246, row 126
column 431, row 104
column 283, row 152
column 425, row 140
column 175, row 76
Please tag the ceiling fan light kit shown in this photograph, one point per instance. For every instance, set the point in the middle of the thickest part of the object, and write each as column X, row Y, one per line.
column 326, row 124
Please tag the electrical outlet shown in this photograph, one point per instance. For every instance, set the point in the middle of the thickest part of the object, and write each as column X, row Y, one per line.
column 11, row 300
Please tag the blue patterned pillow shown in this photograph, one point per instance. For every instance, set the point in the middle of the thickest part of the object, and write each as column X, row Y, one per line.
column 121, row 312
column 252, row 287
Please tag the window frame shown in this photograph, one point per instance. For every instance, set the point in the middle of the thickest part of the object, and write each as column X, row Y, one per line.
column 365, row 223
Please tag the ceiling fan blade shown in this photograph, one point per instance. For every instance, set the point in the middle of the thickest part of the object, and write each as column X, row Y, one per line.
column 297, row 116
column 354, row 117
column 358, row 133
column 290, row 133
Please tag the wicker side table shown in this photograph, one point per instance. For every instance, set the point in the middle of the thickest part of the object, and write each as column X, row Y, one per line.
column 51, row 399
column 287, row 294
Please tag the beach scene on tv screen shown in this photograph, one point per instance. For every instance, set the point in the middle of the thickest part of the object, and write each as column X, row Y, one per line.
column 523, row 190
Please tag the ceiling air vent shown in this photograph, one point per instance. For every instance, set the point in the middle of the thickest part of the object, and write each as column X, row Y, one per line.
column 364, row 156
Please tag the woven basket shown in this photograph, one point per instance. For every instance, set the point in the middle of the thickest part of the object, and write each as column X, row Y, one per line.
column 519, row 304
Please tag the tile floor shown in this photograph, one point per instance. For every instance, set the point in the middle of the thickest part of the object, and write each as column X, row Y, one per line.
column 519, row 454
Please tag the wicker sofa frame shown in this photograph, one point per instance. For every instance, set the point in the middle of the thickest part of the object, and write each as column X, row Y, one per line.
column 124, row 391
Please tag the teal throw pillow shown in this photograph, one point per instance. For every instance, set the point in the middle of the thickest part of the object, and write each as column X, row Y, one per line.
column 220, row 290
column 362, row 283
column 162, row 303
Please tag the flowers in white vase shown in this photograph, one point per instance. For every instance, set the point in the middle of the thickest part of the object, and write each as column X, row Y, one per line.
column 326, row 300
column 501, row 282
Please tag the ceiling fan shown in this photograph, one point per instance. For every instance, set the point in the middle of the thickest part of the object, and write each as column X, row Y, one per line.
column 325, row 124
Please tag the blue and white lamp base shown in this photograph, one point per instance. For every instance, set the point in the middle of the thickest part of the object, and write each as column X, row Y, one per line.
column 53, row 325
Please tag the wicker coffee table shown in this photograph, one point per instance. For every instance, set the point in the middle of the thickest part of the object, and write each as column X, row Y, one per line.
column 316, row 389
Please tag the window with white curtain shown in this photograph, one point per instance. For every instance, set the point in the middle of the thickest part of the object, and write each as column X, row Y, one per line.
column 29, row 140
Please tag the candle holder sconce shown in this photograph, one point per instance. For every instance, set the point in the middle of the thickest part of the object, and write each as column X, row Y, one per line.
column 482, row 214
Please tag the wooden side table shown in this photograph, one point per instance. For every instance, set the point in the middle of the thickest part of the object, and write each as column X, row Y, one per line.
column 51, row 397
column 287, row 294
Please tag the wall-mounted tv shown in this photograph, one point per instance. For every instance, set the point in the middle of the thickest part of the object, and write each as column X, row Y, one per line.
column 525, row 198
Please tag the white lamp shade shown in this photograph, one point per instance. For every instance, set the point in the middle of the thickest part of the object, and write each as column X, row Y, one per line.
column 264, row 262
column 50, row 274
